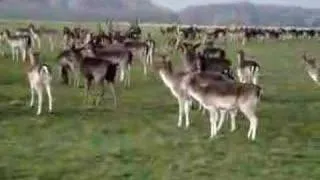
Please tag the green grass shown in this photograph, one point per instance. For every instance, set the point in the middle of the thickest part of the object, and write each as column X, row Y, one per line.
column 140, row 141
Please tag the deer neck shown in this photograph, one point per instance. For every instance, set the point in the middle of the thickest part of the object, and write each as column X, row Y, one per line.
column 167, row 77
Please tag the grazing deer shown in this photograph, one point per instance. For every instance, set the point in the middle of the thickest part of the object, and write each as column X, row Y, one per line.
column 247, row 70
column 39, row 76
column 225, row 95
column 312, row 68
column 17, row 44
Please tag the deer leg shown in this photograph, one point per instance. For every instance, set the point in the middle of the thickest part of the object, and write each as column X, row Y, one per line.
column 180, row 102
column 145, row 72
column 16, row 54
column 13, row 53
column 64, row 75
column 240, row 75
column 113, row 92
column 255, row 79
column 76, row 78
column 23, row 52
column 87, row 88
column 250, row 115
column 128, row 72
column 233, row 114
column 187, row 112
column 122, row 72
column 39, row 93
column 222, row 118
column 48, row 89
column 32, row 95
column 100, row 96
column 213, row 122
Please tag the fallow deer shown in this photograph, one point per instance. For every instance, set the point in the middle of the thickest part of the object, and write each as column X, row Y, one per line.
column 225, row 95
column 17, row 44
column 96, row 70
column 191, row 61
column 312, row 67
column 139, row 49
column 118, row 54
column 247, row 70
column 69, row 61
column 150, row 49
column 39, row 76
column 173, row 80
column 32, row 32
column 50, row 34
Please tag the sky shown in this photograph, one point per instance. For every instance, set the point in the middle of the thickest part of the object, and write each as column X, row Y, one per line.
column 179, row 4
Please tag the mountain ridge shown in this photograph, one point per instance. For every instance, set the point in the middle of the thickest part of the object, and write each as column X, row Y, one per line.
column 127, row 10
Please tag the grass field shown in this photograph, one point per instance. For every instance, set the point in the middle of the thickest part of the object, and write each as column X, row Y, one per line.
column 140, row 140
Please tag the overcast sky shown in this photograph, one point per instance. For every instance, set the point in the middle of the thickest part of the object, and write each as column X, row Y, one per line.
column 178, row 4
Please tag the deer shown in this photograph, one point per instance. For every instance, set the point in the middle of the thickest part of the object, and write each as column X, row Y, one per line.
column 173, row 81
column 139, row 49
column 32, row 32
column 39, row 77
column 190, row 58
column 247, row 70
column 226, row 95
column 96, row 70
column 312, row 67
column 47, row 33
column 69, row 61
column 68, row 37
column 17, row 44
column 214, row 59
column 151, row 43
column 118, row 54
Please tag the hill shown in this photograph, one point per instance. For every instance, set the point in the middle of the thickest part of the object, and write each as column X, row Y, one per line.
column 250, row 14
column 85, row 10
column 146, row 10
